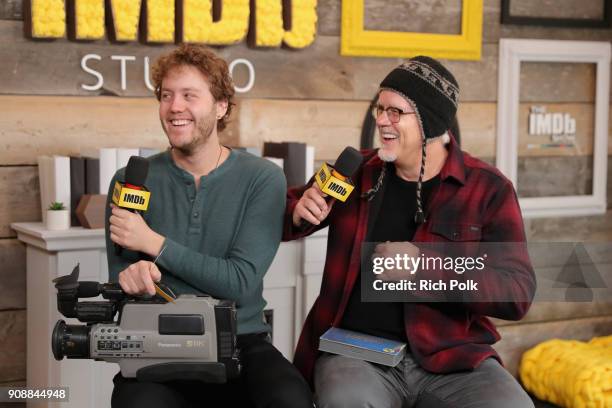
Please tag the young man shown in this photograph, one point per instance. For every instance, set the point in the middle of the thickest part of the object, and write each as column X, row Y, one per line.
column 214, row 224
column 418, row 187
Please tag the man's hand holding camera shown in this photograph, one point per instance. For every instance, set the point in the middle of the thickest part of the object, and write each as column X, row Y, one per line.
column 138, row 278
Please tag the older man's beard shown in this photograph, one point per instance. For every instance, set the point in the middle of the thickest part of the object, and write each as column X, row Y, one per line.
column 386, row 156
column 204, row 129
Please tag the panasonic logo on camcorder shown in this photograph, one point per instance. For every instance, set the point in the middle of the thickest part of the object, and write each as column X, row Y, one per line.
column 169, row 344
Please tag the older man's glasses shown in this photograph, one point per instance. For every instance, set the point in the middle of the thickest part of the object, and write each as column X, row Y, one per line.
column 393, row 114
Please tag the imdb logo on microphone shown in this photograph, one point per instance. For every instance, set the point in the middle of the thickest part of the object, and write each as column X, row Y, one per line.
column 331, row 185
column 126, row 197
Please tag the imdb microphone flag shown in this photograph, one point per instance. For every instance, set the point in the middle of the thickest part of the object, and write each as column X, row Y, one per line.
column 332, row 185
column 131, row 198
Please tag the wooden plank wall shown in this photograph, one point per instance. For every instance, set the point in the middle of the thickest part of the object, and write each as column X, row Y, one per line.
column 312, row 95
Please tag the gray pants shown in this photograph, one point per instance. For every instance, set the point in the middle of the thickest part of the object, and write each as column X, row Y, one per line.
column 346, row 382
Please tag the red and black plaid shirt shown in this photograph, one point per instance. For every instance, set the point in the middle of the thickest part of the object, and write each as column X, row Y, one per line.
column 473, row 202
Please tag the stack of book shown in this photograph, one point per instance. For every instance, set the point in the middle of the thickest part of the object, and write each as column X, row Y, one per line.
column 362, row 346
column 297, row 160
column 66, row 179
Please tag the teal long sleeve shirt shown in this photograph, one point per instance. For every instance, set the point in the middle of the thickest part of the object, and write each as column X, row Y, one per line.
column 219, row 239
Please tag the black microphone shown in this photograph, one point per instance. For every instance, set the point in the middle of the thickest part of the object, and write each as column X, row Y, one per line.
column 132, row 195
column 136, row 172
column 335, row 181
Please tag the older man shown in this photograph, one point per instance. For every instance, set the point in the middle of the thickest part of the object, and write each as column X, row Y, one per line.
column 417, row 187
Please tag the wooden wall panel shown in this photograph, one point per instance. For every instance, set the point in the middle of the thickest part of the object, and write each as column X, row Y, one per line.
column 31, row 126
column 12, row 274
column 477, row 79
column 595, row 228
column 66, row 125
column 108, row 121
column 555, row 254
column 478, row 125
column 478, row 122
column 13, row 345
column 317, row 72
column 518, row 338
column 19, row 197
column 493, row 30
column 609, row 179
column 330, row 126
column 554, row 311
column 11, row 10
column 18, row 383
column 593, row 9
column 548, row 176
column 330, row 14
column 557, row 82
column 425, row 16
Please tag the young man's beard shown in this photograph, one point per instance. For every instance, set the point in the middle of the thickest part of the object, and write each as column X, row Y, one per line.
column 203, row 131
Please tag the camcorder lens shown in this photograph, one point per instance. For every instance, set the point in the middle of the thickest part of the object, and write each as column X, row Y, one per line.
column 69, row 340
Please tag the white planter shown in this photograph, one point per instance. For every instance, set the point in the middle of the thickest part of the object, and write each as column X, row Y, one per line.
column 58, row 220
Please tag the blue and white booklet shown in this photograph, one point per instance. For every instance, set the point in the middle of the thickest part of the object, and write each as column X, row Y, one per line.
column 362, row 346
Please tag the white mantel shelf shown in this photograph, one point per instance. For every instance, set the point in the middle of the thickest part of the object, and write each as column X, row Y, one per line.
column 75, row 238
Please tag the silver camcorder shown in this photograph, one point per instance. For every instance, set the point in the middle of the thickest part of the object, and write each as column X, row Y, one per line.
column 192, row 338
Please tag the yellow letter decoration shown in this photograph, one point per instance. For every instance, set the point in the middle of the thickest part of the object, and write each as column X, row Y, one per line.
column 125, row 16
column 269, row 30
column 268, row 23
column 360, row 42
column 160, row 21
column 198, row 25
column 47, row 18
column 303, row 23
column 89, row 19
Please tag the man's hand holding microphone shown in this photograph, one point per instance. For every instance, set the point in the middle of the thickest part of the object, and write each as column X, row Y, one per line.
column 330, row 184
column 130, row 231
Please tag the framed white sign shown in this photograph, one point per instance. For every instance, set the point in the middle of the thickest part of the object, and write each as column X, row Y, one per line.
column 511, row 53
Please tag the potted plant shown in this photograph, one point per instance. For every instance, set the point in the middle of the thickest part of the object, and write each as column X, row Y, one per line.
column 58, row 217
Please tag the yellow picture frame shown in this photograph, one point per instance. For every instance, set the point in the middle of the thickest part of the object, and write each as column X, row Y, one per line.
column 356, row 41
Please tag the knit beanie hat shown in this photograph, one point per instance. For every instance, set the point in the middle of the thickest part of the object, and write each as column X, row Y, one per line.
column 431, row 90
column 433, row 93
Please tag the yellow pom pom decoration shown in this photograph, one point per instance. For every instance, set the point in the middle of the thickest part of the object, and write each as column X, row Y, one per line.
column 570, row 373
column 89, row 19
column 303, row 24
column 126, row 15
column 160, row 21
column 268, row 23
column 198, row 26
column 48, row 18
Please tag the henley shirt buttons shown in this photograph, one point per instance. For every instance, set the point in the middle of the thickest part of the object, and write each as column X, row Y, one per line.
column 195, row 215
